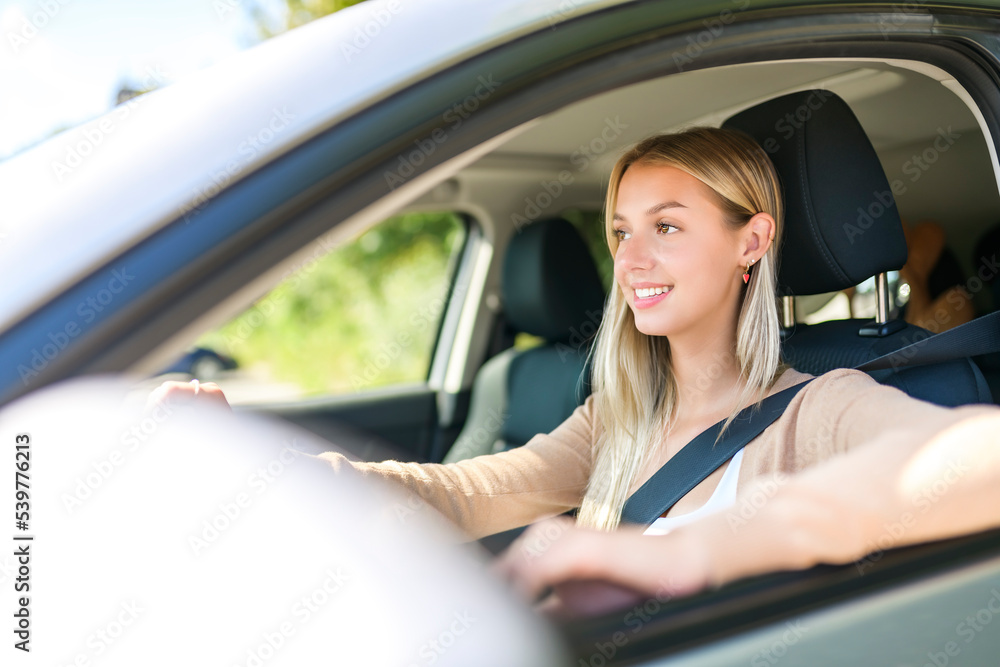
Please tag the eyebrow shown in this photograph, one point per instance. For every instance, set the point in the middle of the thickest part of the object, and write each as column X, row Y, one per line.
column 655, row 209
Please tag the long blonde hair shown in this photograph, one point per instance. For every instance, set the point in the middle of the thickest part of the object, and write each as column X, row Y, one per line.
column 635, row 391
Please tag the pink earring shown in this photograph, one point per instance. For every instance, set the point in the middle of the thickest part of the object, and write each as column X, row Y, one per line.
column 746, row 274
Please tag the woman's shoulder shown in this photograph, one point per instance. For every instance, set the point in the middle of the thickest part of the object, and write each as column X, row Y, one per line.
column 839, row 378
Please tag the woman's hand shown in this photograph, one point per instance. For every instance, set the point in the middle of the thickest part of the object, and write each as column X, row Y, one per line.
column 175, row 393
column 593, row 572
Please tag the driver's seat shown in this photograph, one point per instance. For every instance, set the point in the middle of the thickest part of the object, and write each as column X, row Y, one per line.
column 841, row 228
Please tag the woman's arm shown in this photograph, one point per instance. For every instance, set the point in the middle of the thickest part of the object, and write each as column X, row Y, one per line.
column 497, row 492
column 901, row 488
column 483, row 495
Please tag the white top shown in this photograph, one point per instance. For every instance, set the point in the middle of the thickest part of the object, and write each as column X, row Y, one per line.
column 723, row 497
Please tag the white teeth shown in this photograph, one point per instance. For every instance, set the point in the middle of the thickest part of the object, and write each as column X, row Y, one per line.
column 646, row 292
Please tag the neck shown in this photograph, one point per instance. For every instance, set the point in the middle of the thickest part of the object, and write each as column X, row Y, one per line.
column 705, row 368
column 707, row 375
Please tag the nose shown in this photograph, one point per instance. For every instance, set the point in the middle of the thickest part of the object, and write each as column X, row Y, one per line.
column 633, row 255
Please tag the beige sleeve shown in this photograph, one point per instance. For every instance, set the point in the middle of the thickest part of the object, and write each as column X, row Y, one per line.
column 496, row 492
column 847, row 408
column 867, row 409
column 837, row 412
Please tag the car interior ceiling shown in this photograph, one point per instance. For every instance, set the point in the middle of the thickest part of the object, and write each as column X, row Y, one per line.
column 903, row 110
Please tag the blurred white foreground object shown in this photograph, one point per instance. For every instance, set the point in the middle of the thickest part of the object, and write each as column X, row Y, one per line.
column 191, row 536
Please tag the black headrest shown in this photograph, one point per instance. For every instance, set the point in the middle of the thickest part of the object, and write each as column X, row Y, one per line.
column 550, row 284
column 841, row 221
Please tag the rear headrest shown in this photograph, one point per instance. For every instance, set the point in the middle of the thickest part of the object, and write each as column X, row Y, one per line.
column 841, row 221
column 550, row 284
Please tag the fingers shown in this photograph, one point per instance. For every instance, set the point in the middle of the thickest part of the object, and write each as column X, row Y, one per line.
column 594, row 572
column 577, row 599
column 179, row 393
column 540, row 557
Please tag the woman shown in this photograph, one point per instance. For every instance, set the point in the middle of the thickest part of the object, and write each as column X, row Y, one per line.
column 691, row 337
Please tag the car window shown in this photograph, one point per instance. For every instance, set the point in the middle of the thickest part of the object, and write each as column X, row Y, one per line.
column 365, row 315
column 859, row 302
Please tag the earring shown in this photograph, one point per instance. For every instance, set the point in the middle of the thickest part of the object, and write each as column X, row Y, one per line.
column 746, row 274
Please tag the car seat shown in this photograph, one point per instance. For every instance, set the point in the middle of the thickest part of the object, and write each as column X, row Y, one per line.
column 841, row 228
column 985, row 261
column 550, row 289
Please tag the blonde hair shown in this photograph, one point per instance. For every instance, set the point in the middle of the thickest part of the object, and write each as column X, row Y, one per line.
column 635, row 391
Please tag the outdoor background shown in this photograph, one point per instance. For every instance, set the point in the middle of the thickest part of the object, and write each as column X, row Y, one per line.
column 362, row 316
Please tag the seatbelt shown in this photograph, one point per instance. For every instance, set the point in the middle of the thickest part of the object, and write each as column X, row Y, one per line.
column 699, row 458
column 980, row 336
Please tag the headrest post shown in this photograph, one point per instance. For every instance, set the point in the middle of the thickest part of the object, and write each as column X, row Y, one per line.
column 787, row 312
column 881, row 326
column 882, row 298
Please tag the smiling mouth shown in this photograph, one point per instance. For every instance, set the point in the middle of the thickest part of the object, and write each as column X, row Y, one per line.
column 650, row 292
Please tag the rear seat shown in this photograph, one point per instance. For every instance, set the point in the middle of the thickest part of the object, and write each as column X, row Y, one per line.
column 987, row 250
column 551, row 289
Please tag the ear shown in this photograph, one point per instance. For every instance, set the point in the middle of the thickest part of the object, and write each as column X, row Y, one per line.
column 757, row 236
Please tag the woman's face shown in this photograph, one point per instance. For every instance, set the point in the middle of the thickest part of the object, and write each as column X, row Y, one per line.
column 678, row 263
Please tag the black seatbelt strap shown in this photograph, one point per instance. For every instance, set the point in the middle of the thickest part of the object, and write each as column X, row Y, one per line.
column 698, row 459
column 980, row 336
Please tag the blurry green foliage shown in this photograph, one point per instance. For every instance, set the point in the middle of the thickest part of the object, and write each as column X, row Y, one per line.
column 299, row 12
column 365, row 315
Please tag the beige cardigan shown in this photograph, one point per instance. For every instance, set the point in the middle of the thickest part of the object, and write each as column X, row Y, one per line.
column 839, row 410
